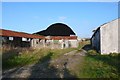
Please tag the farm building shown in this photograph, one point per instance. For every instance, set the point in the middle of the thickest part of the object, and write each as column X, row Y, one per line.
column 59, row 35
column 19, row 39
column 106, row 38
column 62, row 41
column 57, row 29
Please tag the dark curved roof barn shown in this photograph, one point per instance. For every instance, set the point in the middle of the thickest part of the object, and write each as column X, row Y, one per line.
column 57, row 29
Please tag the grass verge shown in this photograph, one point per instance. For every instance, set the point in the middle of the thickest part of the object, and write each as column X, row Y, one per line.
column 100, row 66
column 31, row 57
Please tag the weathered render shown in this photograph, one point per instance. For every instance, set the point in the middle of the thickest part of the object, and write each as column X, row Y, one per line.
column 106, row 38
column 109, row 37
column 119, row 35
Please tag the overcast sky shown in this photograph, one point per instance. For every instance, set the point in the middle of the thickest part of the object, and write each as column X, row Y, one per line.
column 82, row 17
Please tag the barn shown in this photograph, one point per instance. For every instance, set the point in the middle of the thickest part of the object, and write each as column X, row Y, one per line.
column 14, row 39
column 106, row 38
column 57, row 29
column 59, row 35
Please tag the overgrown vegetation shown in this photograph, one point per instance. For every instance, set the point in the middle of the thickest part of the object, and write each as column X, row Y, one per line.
column 92, row 52
column 96, row 65
column 93, row 65
column 100, row 66
column 83, row 43
column 25, row 57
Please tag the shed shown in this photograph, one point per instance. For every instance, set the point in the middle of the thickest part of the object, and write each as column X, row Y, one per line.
column 106, row 38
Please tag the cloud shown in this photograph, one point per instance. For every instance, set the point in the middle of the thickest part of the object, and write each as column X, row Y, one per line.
column 62, row 18
column 36, row 17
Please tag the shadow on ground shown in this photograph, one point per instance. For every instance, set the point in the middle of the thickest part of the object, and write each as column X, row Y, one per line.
column 87, row 47
column 110, row 60
column 43, row 69
column 113, row 61
column 11, row 54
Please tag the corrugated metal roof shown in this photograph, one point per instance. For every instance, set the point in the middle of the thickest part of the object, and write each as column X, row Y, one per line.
column 10, row 33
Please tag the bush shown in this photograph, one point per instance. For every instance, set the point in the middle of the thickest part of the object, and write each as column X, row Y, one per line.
column 92, row 52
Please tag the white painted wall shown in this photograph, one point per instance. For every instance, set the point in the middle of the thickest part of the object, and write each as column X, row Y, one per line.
column 109, row 37
column 36, row 43
column 119, row 35
column 73, row 43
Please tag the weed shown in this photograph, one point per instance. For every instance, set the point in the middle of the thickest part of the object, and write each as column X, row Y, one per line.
column 92, row 52
column 100, row 66
column 31, row 57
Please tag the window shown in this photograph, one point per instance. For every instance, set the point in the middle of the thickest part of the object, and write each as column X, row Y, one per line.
column 28, row 39
column 11, row 38
column 39, row 40
column 24, row 39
